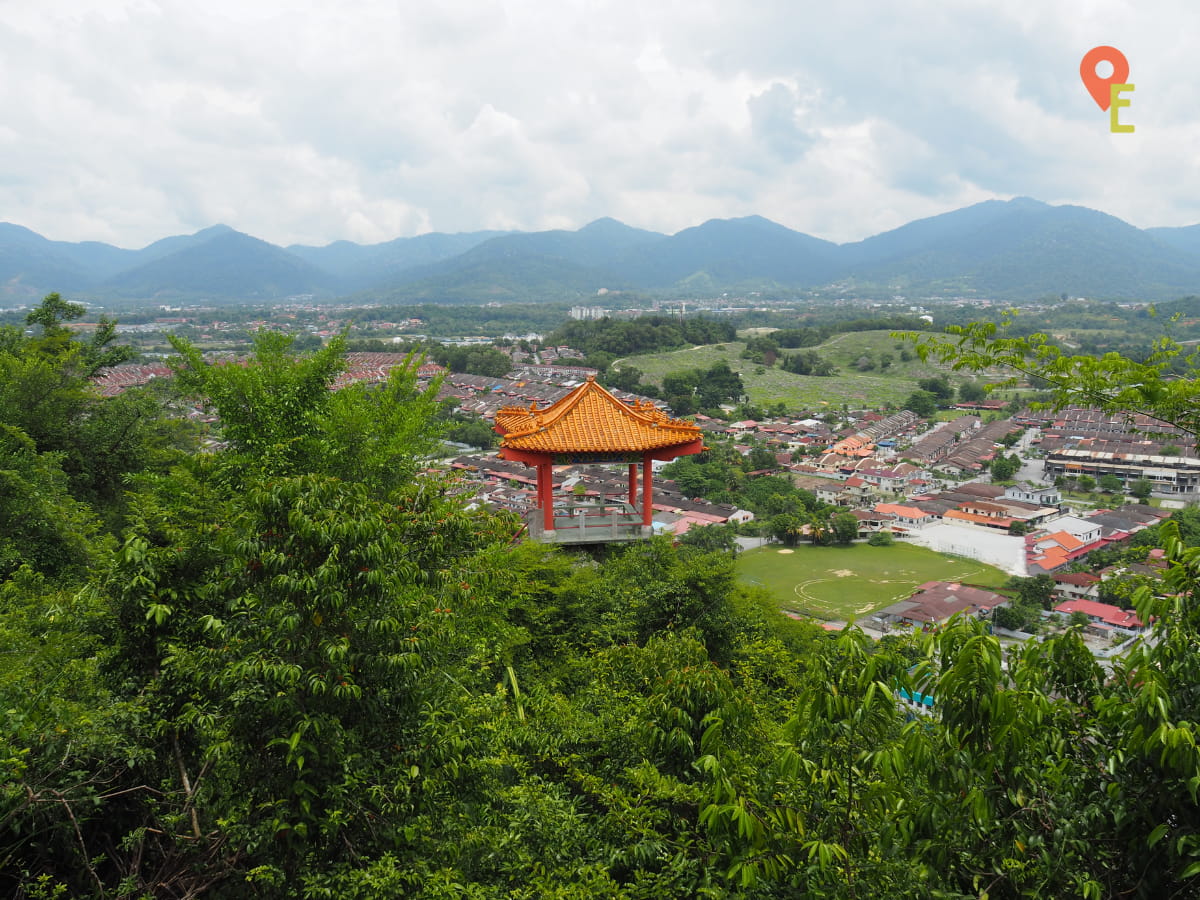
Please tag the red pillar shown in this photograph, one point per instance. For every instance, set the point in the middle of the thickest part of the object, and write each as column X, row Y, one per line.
column 647, row 507
column 546, row 495
column 633, row 484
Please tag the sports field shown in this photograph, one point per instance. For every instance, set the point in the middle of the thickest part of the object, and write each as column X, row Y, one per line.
column 842, row 583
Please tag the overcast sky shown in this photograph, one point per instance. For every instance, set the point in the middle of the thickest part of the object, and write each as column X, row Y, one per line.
column 308, row 122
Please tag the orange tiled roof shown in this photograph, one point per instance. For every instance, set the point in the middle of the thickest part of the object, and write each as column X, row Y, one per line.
column 1064, row 539
column 975, row 517
column 909, row 512
column 591, row 420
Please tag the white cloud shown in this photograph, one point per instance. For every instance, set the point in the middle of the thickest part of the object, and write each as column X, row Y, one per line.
column 299, row 121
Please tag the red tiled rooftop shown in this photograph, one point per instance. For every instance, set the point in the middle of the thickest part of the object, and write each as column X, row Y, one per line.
column 590, row 419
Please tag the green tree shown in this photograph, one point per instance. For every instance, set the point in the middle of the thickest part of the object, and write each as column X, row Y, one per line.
column 89, row 356
column 939, row 386
column 845, row 527
column 290, row 647
column 1036, row 591
column 627, row 378
column 1141, row 489
column 972, row 392
column 271, row 410
column 41, row 525
column 281, row 416
column 719, row 538
column 923, row 403
column 718, row 385
column 1003, row 468
column 787, row 528
column 1111, row 484
column 45, row 392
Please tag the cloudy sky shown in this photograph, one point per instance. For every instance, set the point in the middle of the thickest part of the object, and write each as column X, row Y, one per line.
column 302, row 121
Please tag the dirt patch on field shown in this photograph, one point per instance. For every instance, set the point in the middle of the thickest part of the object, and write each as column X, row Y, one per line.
column 785, row 550
column 841, row 573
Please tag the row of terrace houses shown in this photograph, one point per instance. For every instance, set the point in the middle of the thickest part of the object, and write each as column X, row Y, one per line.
column 892, row 426
column 371, row 368
column 118, row 379
column 1168, row 474
column 483, row 396
column 1088, row 421
column 938, row 443
column 556, row 374
column 972, row 455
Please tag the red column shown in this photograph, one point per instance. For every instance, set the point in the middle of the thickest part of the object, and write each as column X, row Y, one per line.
column 647, row 507
column 633, row 484
column 546, row 493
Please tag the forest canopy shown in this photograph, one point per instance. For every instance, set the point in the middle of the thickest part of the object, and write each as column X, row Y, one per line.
column 297, row 665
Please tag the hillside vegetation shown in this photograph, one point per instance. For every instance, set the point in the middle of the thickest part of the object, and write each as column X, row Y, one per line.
column 769, row 386
column 297, row 666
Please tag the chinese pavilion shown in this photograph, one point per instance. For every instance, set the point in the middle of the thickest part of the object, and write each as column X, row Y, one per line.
column 587, row 426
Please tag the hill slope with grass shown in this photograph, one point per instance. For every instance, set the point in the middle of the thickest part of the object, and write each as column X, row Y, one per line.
column 768, row 386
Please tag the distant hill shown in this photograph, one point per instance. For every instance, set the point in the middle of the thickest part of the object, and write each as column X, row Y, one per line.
column 29, row 262
column 228, row 265
column 1023, row 248
column 358, row 266
column 520, row 277
column 1186, row 239
column 734, row 252
column 596, row 245
column 1016, row 250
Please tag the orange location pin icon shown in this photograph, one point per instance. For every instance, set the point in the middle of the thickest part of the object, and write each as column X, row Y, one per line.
column 1099, row 87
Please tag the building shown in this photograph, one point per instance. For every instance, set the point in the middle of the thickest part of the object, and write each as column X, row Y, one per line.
column 1027, row 492
column 904, row 518
column 591, row 426
column 1104, row 614
column 1077, row 585
column 1168, row 474
column 935, row 602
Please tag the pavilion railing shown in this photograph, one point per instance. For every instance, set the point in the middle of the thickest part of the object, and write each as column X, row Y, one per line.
column 582, row 523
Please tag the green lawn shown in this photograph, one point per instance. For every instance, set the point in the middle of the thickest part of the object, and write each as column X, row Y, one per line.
column 841, row 583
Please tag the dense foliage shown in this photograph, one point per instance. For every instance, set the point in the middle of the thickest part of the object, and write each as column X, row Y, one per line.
column 307, row 670
column 646, row 334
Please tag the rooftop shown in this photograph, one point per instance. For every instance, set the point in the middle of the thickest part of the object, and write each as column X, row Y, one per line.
column 591, row 420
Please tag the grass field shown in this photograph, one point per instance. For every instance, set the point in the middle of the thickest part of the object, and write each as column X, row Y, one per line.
column 802, row 391
column 842, row 583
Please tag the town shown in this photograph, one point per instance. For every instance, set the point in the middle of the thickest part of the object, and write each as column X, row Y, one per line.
column 1014, row 491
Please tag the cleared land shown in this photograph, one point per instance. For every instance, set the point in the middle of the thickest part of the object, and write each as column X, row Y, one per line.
column 842, row 583
column 774, row 385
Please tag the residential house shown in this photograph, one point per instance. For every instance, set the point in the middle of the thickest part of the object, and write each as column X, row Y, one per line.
column 1028, row 492
column 1105, row 615
column 934, row 602
column 904, row 518
column 1077, row 585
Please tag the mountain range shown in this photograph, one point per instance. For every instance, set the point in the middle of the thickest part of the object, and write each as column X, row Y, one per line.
column 1014, row 250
